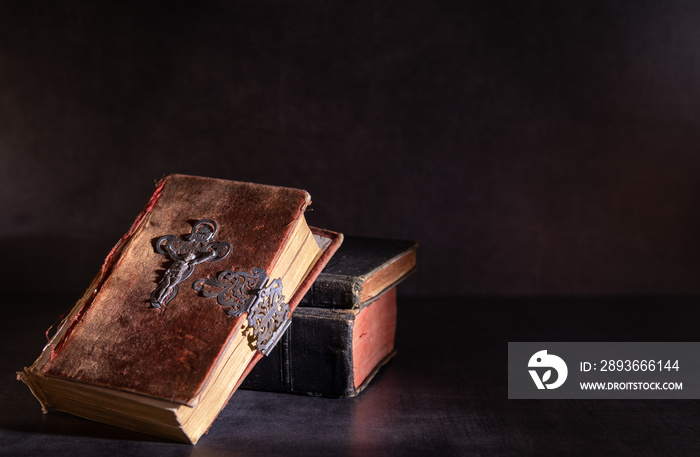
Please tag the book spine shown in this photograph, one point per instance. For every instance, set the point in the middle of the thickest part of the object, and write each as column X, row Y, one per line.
column 334, row 292
column 313, row 358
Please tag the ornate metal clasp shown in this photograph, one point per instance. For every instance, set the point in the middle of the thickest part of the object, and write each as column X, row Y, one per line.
column 243, row 292
column 233, row 290
column 195, row 248
column 269, row 316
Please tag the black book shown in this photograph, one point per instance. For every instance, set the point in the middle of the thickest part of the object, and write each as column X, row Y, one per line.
column 343, row 331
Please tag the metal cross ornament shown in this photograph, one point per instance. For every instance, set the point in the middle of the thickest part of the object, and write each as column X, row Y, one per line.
column 195, row 248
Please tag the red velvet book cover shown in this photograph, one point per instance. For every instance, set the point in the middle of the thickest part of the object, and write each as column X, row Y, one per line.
column 118, row 339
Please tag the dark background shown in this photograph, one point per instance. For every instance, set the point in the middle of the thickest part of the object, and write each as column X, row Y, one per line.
column 539, row 147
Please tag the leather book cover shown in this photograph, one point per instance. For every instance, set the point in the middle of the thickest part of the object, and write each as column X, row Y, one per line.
column 322, row 353
column 337, row 344
column 361, row 265
column 132, row 333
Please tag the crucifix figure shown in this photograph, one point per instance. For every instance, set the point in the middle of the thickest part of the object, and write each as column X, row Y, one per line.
column 195, row 248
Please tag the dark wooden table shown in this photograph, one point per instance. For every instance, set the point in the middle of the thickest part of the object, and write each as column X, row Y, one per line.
column 445, row 393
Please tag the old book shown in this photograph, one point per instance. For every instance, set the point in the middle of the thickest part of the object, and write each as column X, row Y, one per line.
column 185, row 304
column 343, row 331
column 363, row 268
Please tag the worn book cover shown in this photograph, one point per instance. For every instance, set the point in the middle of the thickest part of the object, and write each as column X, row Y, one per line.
column 185, row 304
column 362, row 268
column 337, row 342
